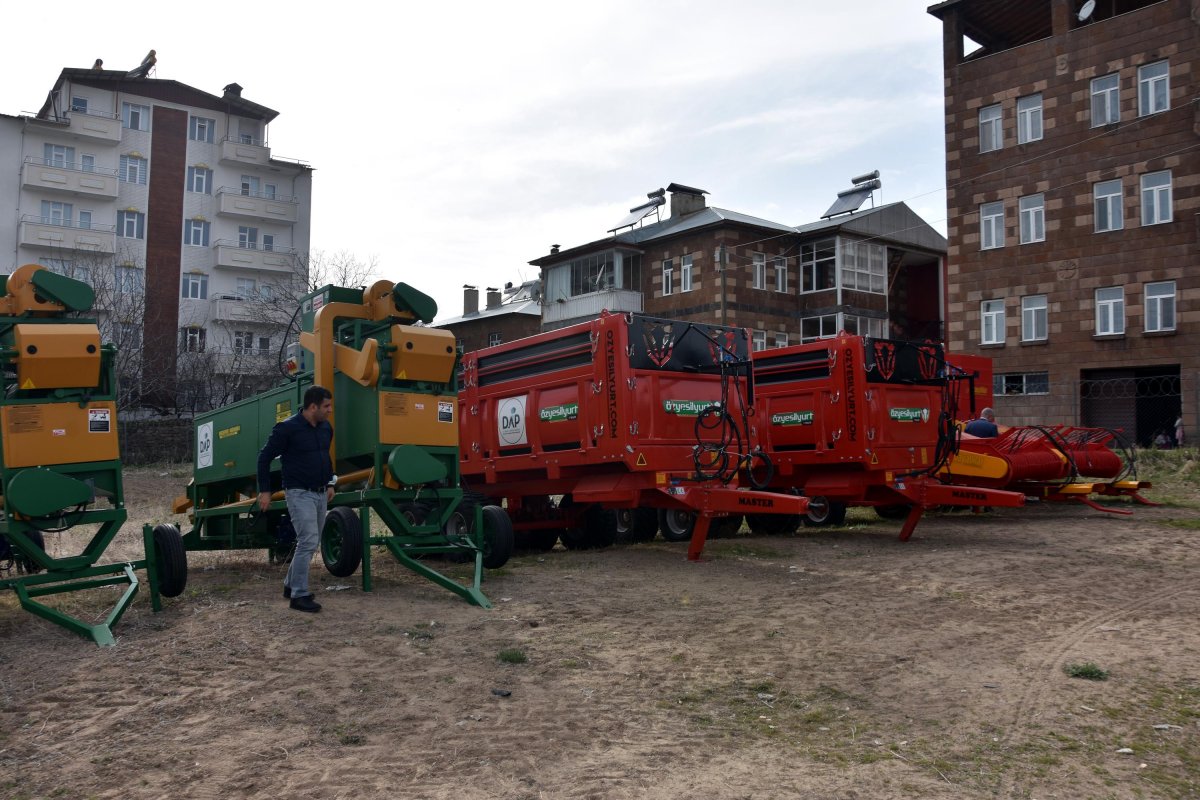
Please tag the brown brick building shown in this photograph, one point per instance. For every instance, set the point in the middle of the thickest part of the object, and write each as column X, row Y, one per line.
column 1072, row 162
column 511, row 313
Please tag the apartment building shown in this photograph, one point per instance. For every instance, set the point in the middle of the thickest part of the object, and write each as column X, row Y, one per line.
column 876, row 271
column 1072, row 171
column 169, row 201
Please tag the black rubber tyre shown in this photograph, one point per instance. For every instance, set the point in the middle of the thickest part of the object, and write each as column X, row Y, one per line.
column 725, row 527
column 675, row 524
column 24, row 563
column 543, row 540
column 596, row 530
column 824, row 513
column 636, row 524
column 341, row 542
column 894, row 512
column 172, row 560
column 497, row 537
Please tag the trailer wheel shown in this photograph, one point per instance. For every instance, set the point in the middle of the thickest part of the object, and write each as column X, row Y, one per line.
column 497, row 537
column 341, row 542
column 772, row 524
column 636, row 524
column 823, row 513
column 596, row 530
column 897, row 511
column 24, row 563
column 172, row 560
column 541, row 540
column 725, row 527
column 676, row 524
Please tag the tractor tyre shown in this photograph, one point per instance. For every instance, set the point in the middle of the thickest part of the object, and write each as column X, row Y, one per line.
column 600, row 527
column 171, row 559
column 636, row 524
column 824, row 513
column 497, row 537
column 676, row 524
column 342, row 542
column 724, row 527
column 898, row 511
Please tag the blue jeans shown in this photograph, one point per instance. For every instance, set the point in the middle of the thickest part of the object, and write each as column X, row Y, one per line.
column 307, row 512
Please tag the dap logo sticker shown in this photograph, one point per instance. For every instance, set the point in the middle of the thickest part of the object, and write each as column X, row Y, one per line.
column 510, row 421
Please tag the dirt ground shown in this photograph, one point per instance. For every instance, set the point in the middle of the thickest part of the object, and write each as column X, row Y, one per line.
column 829, row 664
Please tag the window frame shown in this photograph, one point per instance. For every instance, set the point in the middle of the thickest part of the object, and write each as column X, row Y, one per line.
column 994, row 127
column 1159, row 301
column 1157, row 193
column 993, row 315
column 758, row 340
column 194, row 229
column 201, row 129
column 494, row 338
column 1029, row 118
column 1111, row 100
column 781, row 274
column 1036, row 216
column 822, row 321
column 1031, row 383
column 1113, row 202
column 1035, row 314
column 758, row 268
column 194, row 338
column 668, row 275
column 199, row 176
column 1147, row 89
column 993, row 221
column 248, row 237
column 138, row 166
column 685, row 273
column 128, row 111
column 1112, row 308
column 781, row 339
column 194, row 286
column 125, row 218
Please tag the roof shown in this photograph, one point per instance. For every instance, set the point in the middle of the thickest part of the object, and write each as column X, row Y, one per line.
column 157, row 89
column 999, row 25
column 894, row 222
column 522, row 301
column 671, row 226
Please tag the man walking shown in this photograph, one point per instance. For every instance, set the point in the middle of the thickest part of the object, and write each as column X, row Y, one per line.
column 302, row 443
column 985, row 427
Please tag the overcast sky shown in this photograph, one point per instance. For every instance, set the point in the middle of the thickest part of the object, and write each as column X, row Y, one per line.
column 455, row 142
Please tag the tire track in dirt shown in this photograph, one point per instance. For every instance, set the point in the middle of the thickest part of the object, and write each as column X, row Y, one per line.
column 1036, row 689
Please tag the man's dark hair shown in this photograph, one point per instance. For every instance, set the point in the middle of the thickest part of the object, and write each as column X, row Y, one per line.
column 315, row 395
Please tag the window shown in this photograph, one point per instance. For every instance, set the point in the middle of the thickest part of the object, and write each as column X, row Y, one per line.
column 1154, row 88
column 1034, row 316
column 247, row 237
column 685, row 274
column 55, row 213
column 1160, row 306
column 668, row 273
column 268, row 242
column 245, row 138
column 991, row 226
column 991, row 137
column 864, row 326
column 87, row 163
column 759, row 340
column 781, row 339
column 133, row 169
column 1021, row 383
column 1110, row 215
column 1106, row 100
column 192, row 339
column 250, row 185
column 1029, row 118
column 493, row 339
column 199, row 179
column 129, row 279
column 202, row 129
column 195, row 286
column 991, row 317
column 1156, row 198
column 195, row 232
column 864, row 267
column 79, row 104
column 264, row 345
column 85, row 220
column 247, row 288
column 1110, row 311
column 781, row 282
column 813, row 328
column 1033, row 219
column 818, row 266
column 243, row 342
column 131, row 224
column 269, row 191
column 58, row 155
column 129, row 336
column 760, row 270
column 135, row 117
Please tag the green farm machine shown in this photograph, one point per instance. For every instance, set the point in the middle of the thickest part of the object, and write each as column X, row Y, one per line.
column 395, row 447
column 61, row 466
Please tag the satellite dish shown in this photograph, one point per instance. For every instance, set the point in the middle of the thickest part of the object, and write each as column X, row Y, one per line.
column 1086, row 10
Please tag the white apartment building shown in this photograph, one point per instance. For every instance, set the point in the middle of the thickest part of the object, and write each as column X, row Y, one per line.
column 168, row 200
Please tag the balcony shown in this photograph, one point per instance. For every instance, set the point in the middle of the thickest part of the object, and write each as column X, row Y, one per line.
column 87, row 126
column 231, row 254
column 589, row 306
column 234, row 151
column 232, row 308
column 53, row 235
column 69, row 178
column 233, row 202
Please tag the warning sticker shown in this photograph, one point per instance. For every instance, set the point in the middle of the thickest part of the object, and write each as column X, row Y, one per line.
column 445, row 411
column 283, row 410
column 99, row 420
column 25, row 419
column 395, row 404
column 234, row 431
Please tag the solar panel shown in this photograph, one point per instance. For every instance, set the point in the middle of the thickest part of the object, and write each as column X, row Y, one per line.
column 848, row 200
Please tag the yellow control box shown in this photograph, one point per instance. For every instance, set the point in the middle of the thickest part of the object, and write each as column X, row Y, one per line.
column 57, row 356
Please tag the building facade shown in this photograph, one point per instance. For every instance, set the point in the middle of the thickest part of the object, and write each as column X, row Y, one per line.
column 508, row 314
column 877, row 272
column 1072, row 171
column 168, row 200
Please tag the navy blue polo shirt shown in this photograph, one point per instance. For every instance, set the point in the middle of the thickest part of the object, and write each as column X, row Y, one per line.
column 304, row 454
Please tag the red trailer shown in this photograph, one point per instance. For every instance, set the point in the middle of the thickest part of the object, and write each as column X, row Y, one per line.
column 646, row 416
column 857, row 421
